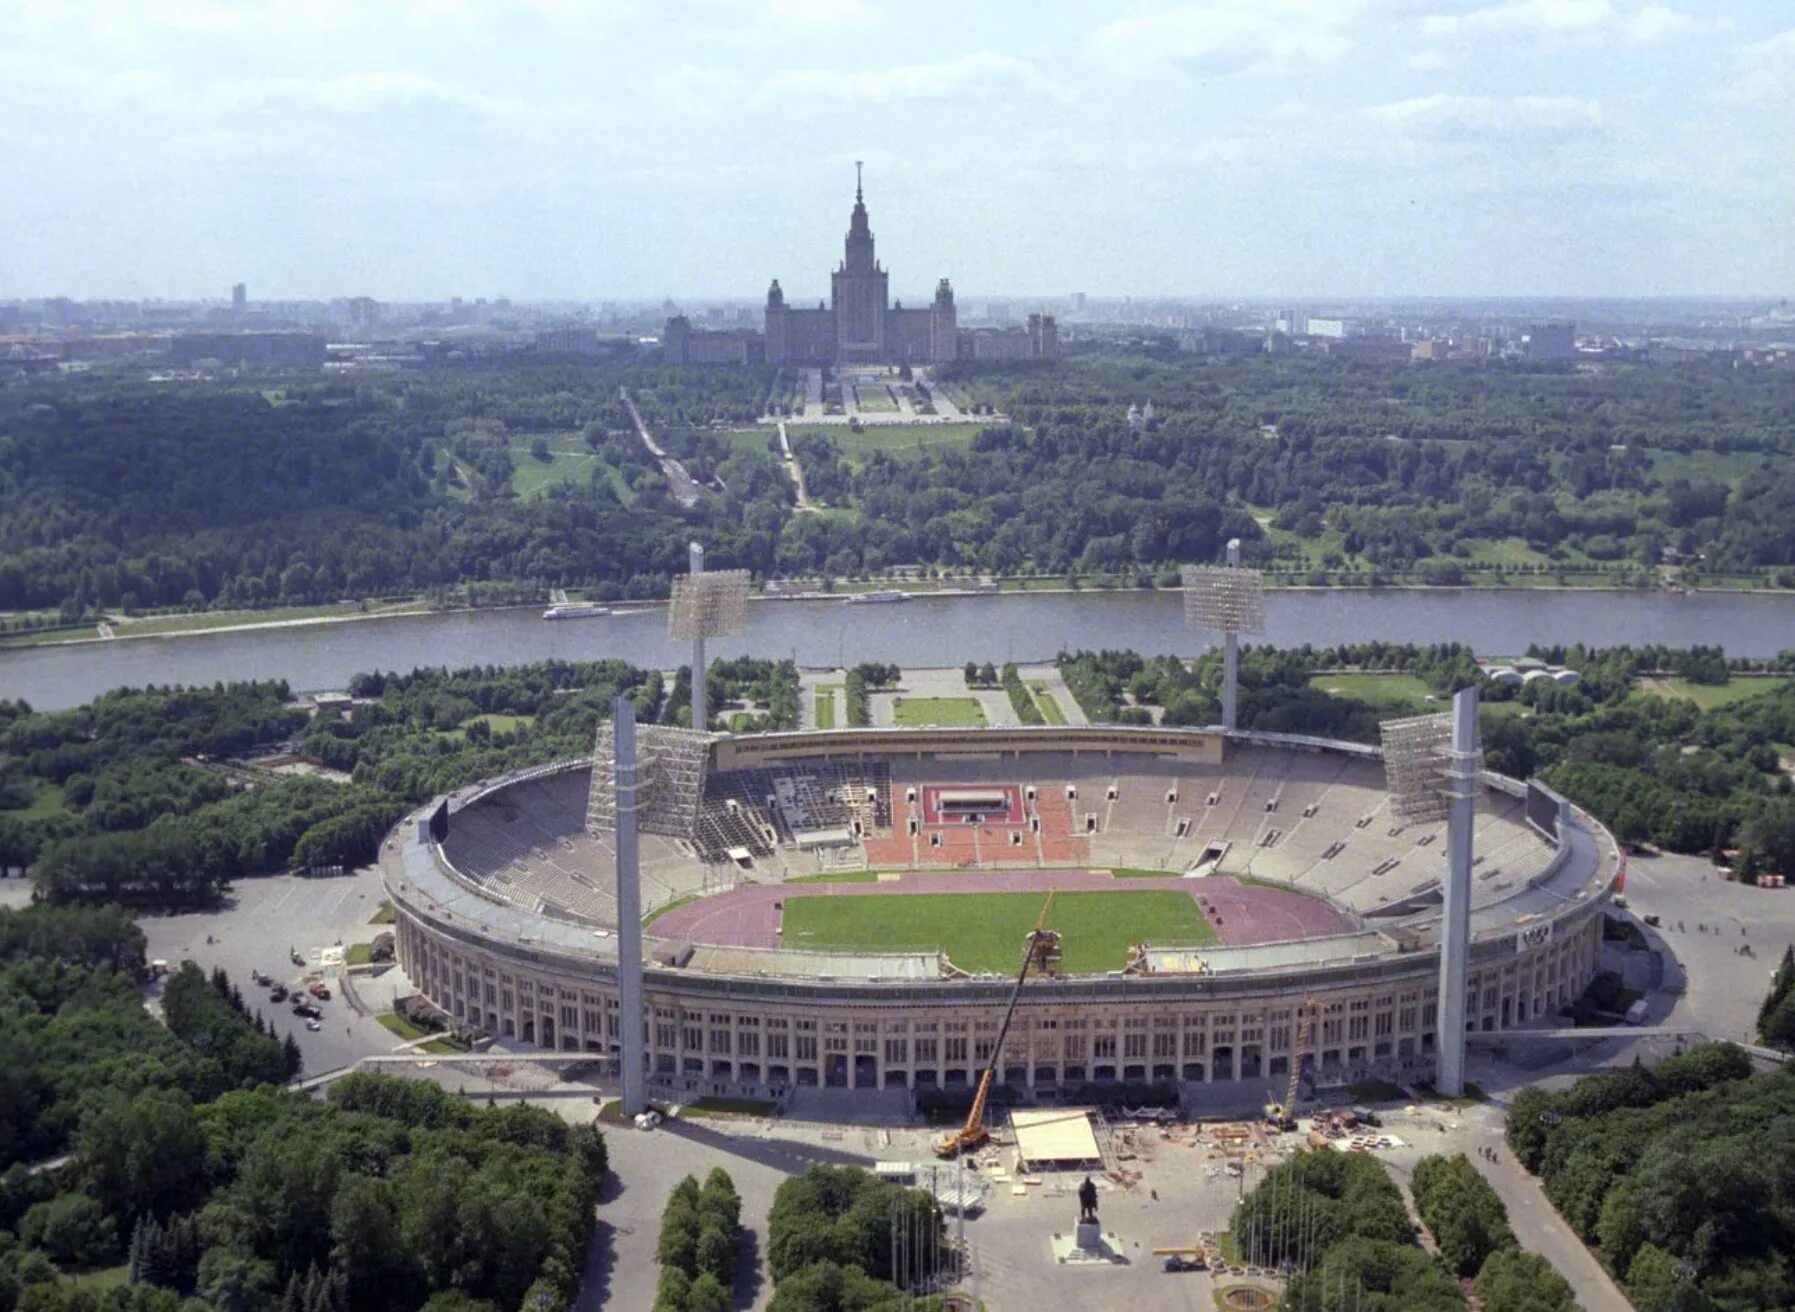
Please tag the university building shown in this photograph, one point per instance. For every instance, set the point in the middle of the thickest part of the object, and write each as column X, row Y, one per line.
column 860, row 325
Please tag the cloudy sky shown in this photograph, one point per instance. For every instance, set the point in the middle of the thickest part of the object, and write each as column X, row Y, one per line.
column 637, row 148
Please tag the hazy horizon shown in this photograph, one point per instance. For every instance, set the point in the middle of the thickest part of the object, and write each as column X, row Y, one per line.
column 578, row 150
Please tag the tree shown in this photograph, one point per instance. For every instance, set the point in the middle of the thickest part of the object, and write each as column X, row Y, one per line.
column 232, row 1282
column 1515, row 1281
column 988, row 674
column 708, row 1294
column 715, row 1250
column 73, row 1229
column 972, row 673
column 142, row 1155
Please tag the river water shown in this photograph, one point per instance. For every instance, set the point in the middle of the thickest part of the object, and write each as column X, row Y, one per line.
column 928, row 631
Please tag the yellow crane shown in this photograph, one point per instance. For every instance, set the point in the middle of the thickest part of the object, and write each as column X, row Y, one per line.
column 1283, row 1115
column 1040, row 950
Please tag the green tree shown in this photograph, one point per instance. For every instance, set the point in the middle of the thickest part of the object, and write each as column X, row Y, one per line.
column 73, row 1229
column 142, row 1154
column 708, row 1294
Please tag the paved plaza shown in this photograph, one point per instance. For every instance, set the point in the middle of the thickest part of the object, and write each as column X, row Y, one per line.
column 261, row 920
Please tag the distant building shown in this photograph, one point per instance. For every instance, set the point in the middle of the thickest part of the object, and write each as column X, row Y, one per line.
column 273, row 350
column 1428, row 348
column 683, row 344
column 860, row 324
column 1550, row 341
column 1332, row 327
column 567, row 341
column 239, row 297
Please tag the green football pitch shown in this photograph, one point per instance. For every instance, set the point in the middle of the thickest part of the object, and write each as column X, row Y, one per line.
column 985, row 931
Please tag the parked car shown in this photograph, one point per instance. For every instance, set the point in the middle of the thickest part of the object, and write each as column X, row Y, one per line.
column 309, row 1009
column 320, row 991
column 314, row 1024
column 1175, row 1264
column 278, row 993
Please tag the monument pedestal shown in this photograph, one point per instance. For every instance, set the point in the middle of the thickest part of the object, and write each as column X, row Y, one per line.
column 1088, row 1245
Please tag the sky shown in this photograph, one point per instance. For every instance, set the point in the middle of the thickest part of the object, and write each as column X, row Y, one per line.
column 628, row 149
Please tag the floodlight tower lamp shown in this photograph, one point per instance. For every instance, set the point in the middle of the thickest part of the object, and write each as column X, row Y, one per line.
column 1231, row 601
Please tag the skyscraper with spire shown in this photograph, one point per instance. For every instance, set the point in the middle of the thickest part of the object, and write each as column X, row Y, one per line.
column 859, row 290
column 860, row 324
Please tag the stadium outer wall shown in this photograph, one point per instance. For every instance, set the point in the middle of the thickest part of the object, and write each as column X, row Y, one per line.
column 748, row 1034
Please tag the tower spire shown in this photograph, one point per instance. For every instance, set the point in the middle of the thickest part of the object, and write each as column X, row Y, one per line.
column 857, row 195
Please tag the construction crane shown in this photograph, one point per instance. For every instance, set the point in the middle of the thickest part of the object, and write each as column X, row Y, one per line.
column 1283, row 1115
column 1041, row 950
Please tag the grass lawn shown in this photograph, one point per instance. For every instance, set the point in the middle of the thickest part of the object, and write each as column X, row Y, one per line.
column 1050, row 707
column 838, row 877
column 1397, row 694
column 385, row 915
column 825, row 708
column 895, row 439
column 501, row 723
column 393, row 1021
column 874, row 399
column 570, row 461
column 1709, row 695
column 1374, row 1091
column 985, row 931
column 48, row 802
column 359, row 954
column 221, row 619
column 101, row 1279
column 39, row 637
column 723, row 1108
column 949, row 712
column 1138, row 872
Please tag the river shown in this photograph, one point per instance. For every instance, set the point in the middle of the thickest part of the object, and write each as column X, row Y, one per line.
column 928, row 631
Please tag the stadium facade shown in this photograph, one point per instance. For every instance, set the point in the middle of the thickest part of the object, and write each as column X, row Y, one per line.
column 1324, row 899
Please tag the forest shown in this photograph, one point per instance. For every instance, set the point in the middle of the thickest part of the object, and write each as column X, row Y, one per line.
column 1681, row 1177
column 151, row 808
column 120, row 495
column 172, row 1155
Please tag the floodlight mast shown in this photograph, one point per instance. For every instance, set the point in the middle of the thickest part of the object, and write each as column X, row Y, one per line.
column 1231, row 657
column 629, row 911
column 1433, row 769
column 1463, row 778
column 700, row 709
column 1231, row 601
column 704, row 606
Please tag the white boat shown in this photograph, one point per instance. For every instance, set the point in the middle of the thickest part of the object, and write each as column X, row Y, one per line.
column 574, row 610
column 870, row 598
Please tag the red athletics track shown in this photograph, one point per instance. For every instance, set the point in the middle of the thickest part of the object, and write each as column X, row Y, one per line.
column 1241, row 913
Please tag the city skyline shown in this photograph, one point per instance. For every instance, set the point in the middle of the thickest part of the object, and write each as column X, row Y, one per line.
column 1294, row 149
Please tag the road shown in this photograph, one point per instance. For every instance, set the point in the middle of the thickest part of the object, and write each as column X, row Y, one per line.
column 684, row 488
column 796, row 471
column 1537, row 1225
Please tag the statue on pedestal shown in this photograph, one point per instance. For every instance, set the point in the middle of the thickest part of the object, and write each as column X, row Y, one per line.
column 1087, row 1200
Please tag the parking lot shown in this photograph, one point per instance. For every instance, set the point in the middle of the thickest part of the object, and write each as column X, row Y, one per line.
column 260, row 924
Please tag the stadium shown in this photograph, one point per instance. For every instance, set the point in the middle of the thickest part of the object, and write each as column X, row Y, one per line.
column 847, row 908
